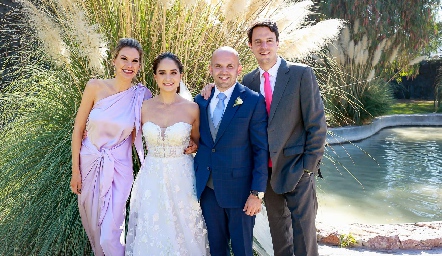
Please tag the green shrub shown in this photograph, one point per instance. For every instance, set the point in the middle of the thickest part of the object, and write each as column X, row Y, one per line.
column 347, row 240
column 376, row 100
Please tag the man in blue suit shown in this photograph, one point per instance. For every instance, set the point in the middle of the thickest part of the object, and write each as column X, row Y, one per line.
column 232, row 159
column 296, row 135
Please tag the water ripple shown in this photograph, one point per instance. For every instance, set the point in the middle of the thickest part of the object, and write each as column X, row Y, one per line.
column 401, row 181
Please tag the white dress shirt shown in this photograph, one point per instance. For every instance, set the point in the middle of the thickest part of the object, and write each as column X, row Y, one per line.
column 273, row 72
column 215, row 99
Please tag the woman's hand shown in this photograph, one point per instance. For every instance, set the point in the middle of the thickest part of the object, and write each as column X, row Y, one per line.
column 76, row 182
column 192, row 148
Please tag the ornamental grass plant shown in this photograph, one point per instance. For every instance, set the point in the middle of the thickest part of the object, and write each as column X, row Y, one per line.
column 63, row 44
column 358, row 84
column 357, row 67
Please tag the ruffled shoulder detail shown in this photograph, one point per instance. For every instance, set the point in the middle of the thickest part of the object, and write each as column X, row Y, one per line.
column 142, row 93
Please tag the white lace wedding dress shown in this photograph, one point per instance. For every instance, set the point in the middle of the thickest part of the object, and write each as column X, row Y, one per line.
column 165, row 217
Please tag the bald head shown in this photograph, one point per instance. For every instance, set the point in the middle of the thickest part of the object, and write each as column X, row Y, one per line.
column 226, row 50
column 225, row 67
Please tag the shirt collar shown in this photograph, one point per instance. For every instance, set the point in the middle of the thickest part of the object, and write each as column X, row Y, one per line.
column 227, row 92
column 273, row 71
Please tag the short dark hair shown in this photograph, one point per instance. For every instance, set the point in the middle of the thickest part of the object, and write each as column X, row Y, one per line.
column 131, row 43
column 267, row 23
column 168, row 55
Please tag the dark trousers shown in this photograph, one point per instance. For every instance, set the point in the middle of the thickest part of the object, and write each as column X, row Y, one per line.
column 292, row 218
column 226, row 225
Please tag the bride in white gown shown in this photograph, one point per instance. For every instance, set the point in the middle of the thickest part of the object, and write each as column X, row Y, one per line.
column 165, row 217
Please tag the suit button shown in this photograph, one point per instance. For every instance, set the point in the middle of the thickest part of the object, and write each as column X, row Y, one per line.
column 213, row 150
column 208, row 168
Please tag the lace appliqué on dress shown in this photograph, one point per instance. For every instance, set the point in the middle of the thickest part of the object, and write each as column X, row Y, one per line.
column 165, row 217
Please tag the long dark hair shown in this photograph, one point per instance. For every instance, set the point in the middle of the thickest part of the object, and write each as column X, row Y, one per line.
column 167, row 55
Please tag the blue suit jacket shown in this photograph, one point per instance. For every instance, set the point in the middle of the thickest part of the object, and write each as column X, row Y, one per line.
column 238, row 158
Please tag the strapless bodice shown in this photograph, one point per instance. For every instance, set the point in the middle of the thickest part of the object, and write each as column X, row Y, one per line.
column 166, row 142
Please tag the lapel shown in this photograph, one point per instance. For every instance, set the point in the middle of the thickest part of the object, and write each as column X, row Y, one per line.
column 230, row 111
column 282, row 79
column 204, row 117
column 256, row 82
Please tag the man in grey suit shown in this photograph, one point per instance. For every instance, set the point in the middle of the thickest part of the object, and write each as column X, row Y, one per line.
column 296, row 136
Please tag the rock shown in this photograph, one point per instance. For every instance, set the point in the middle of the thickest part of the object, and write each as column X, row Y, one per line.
column 427, row 244
column 330, row 239
column 407, row 236
column 383, row 242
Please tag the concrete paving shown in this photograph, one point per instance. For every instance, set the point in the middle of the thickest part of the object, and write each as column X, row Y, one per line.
column 325, row 250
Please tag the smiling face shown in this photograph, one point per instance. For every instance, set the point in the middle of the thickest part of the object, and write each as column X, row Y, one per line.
column 225, row 68
column 127, row 63
column 167, row 75
column 264, row 46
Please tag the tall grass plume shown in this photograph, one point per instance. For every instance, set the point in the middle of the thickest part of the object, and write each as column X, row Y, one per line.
column 64, row 44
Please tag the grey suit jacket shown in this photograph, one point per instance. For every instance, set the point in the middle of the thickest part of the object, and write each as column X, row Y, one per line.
column 296, row 125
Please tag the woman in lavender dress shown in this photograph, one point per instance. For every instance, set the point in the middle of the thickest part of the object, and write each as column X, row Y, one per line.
column 102, row 174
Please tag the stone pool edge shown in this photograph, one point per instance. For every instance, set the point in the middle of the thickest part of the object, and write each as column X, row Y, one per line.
column 385, row 237
column 405, row 236
column 348, row 134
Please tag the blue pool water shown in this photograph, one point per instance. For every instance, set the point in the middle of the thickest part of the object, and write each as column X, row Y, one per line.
column 394, row 176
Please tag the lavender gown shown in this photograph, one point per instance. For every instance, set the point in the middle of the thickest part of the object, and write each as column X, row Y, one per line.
column 106, row 167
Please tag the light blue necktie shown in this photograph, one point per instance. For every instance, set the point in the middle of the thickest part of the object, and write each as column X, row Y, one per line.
column 219, row 109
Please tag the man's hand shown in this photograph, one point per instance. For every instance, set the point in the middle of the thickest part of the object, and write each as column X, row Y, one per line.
column 253, row 205
column 207, row 90
column 192, row 148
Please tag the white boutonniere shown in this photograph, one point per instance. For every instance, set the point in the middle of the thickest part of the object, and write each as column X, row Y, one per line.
column 238, row 102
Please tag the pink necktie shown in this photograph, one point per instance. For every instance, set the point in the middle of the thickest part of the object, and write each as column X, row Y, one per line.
column 268, row 97
column 267, row 91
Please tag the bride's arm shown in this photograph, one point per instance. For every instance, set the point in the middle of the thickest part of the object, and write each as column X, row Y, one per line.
column 144, row 110
column 195, row 133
